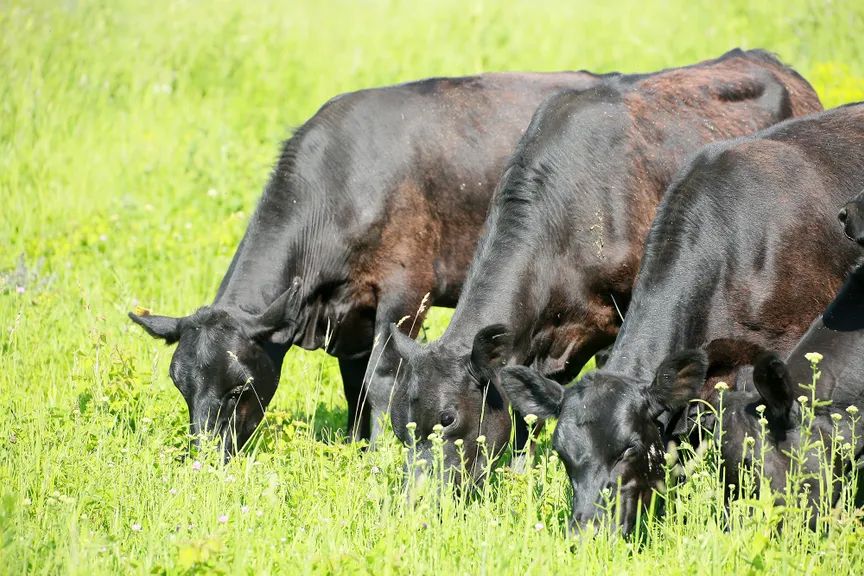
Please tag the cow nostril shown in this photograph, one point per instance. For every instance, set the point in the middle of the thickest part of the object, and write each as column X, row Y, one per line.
column 842, row 215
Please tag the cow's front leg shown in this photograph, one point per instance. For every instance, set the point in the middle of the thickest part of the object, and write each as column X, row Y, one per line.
column 385, row 365
column 353, row 372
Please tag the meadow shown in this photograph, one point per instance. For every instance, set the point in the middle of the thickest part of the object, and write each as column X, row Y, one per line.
column 135, row 138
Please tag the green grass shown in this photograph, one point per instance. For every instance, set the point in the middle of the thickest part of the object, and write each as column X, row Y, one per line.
column 135, row 138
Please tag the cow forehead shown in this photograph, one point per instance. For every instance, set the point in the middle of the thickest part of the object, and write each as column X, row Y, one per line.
column 208, row 351
column 594, row 401
column 435, row 372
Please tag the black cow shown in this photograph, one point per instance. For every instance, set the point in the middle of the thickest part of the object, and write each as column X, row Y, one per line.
column 374, row 202
column 744, row 248
column 564, row 237
column 838, row 337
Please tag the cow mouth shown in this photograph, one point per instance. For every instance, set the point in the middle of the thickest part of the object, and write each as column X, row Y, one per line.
column 631, row 500
column 228, row 438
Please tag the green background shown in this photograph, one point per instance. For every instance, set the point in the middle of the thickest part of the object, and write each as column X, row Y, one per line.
column 135, row 138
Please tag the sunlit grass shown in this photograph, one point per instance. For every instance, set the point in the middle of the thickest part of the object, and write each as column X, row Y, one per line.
column 134, row 139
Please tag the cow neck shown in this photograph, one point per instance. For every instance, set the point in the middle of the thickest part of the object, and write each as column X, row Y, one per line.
column 498, row 291
column 285, row 239
column 643, row 341
column 262, row 269
column 666, row 314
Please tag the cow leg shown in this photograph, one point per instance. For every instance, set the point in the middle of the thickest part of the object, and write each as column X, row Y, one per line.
column 353, row 371
column 385, row 365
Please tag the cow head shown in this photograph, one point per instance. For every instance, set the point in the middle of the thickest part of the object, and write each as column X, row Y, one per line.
column 852, row 218
column 607, row 434
column 226, row 368
column 456, row 389
column 772, row 397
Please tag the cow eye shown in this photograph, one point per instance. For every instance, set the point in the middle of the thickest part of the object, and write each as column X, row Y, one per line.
column 447, row 418
column 629, row 451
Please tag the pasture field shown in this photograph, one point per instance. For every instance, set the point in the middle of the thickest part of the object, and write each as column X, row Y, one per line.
column 135, row 137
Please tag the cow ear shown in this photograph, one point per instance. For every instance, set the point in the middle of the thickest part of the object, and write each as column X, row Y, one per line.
column 531, row 393
column 774, row 384
column 405, row 346
column 491, row 350
column 731, row 355
column 278, row 322
column 167, row 328
column 678, row 380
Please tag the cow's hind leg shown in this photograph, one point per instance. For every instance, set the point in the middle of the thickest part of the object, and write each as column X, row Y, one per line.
column 353, row 371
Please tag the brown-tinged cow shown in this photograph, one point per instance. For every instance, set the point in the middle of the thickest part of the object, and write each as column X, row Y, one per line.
column 374, row 202
column 554, row 270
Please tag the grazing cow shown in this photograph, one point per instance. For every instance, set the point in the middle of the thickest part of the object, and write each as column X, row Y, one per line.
column 852, row 218
column 564, row 236
column 744, row 248
column 838, row 336
column 777, row 384
column 374, row 202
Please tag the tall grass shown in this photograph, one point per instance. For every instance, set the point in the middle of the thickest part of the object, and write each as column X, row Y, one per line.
column 134, row 139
